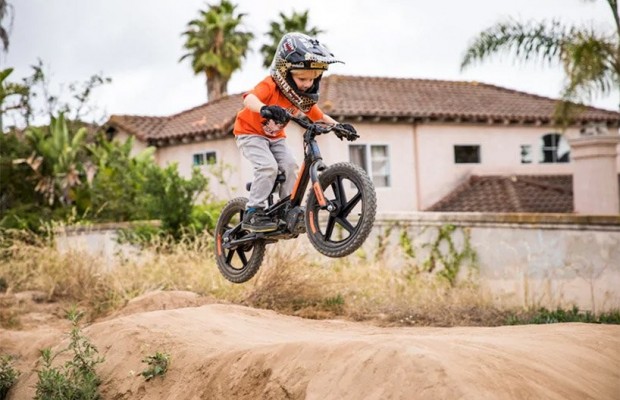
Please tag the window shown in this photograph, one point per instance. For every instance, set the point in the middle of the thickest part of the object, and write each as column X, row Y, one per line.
column 554, row 149
column 379, row 166
column 208, row 158
column 526, row 154
column 466, row 154
column 199, row 159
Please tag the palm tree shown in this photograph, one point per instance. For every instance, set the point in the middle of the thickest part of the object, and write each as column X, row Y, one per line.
column 591, row 59
column 216, row 46
column 4, row 32
column 297, row 22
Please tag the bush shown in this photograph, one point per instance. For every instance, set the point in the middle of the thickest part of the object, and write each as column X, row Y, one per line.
column 8, row 375
column 158, row 365
column 170, row 197
column 77, row 378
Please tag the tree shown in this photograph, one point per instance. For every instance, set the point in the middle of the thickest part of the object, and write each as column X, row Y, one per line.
column 117, row 190
column 5, row 8
column 20, row 205
column 297, row 22
column 56, row 160
column 33, row 99
column 591, row 59
column 216, row 46
column 11, row 90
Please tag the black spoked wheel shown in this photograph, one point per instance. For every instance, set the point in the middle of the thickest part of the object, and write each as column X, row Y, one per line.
column 238, row 264
column 343, row 229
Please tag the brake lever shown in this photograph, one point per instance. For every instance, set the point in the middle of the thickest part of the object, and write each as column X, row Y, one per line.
column 351, row 137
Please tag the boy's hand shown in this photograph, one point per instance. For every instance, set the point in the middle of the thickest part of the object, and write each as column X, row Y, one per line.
column 276, row 113
column 351, row 133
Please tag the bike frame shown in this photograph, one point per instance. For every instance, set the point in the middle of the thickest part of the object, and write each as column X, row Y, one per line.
column 311, row 166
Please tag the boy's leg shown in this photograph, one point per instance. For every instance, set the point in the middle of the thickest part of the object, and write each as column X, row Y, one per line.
column 286, row 163
column 256, row 150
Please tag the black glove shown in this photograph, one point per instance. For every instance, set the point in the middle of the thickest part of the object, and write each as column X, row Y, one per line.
column 276, row 113
column 351, row 133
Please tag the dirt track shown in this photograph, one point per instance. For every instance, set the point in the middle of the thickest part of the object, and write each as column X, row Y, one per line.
column 233, row 352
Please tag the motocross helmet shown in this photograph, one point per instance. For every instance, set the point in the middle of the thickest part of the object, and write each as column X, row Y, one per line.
column 299, row 51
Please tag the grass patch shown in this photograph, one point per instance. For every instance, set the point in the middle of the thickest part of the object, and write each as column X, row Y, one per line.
column 293, row 280
column 544, row 316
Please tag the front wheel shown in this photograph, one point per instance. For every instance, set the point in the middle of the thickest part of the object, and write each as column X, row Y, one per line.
column 241, row 263
column 351, row 195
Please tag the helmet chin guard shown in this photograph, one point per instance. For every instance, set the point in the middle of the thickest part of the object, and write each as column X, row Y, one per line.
column 299, row 51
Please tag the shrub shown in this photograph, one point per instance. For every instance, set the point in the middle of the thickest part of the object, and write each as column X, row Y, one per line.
column 158, row 365
column 77, row 378
column 8, row 375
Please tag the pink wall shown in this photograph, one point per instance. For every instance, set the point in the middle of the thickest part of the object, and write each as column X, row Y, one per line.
column 422, row 168
column 500, row 153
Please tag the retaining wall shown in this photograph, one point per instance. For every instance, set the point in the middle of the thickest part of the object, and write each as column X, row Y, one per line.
column 532, row 260
column 526, row 259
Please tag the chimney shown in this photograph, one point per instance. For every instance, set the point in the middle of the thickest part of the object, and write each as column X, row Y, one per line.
column 595, row 174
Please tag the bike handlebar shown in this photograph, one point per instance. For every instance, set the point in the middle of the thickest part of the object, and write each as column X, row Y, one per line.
column 323, row 128
column 317, row 128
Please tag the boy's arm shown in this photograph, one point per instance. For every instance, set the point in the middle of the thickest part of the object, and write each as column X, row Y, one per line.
column 326, row 118
column 253, row 103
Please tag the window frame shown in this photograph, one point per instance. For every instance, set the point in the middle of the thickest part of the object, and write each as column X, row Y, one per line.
column 478, row 153
column 204, row 157
column 369, row 161
column 553, row 149
column 526, row 150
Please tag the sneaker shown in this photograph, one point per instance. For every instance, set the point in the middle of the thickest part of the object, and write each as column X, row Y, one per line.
column 255, row 220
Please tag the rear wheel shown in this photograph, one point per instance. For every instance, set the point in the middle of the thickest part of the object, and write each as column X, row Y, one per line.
column 239, row 264
column 344, row 229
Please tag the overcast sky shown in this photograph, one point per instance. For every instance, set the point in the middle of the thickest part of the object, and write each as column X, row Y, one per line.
column 138, row 43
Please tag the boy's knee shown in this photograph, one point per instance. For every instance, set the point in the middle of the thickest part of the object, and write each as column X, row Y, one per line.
column 290, row 167
column 270, row 169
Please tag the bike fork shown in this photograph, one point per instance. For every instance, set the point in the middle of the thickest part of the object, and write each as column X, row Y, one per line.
column 316, row 185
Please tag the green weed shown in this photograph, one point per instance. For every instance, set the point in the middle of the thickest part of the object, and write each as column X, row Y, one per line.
column 8, row 375
column 76, row 379
column 544, row 316
column 158, row 365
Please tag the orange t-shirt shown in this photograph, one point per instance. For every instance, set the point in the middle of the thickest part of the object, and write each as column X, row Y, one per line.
column 250, row 122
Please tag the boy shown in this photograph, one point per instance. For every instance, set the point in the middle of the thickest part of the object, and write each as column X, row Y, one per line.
column 292, row 87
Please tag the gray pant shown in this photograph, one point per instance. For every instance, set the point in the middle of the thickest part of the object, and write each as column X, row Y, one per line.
column 267, row 158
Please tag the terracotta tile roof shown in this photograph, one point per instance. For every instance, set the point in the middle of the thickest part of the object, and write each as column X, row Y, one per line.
column 373, row 98
column 207, row 121
column 353, row 96
column 514, row 194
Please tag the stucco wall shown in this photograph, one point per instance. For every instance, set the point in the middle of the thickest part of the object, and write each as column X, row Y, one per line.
column 531, row 260
column 138, row 146
column 500, row 154
column 422, row 167
column 226, row 169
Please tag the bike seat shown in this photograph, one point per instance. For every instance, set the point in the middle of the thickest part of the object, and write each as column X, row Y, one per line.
column 281, row 177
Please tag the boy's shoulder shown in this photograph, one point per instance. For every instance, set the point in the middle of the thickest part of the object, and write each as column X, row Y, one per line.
column 269, row 82
column 265, row 87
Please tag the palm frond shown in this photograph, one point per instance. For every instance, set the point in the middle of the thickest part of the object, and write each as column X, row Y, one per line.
column 522, row 41
column 296, row 22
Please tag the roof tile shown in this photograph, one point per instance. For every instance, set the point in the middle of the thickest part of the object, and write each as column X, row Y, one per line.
column 361, row 97
column 511, row 194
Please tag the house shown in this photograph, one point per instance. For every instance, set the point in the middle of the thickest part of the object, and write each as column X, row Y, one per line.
column 425, row 143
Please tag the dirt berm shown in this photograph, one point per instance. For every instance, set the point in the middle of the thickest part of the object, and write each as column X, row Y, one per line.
column 223, row 351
